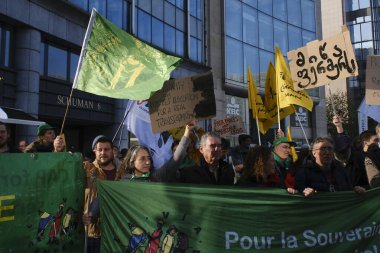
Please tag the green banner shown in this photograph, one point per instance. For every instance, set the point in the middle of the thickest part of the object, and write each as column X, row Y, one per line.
column 146, row 217
column 116, row 64
column 41, row 203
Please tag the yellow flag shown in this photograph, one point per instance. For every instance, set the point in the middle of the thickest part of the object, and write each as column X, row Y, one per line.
column 292, row 149
column 271, row 97
column 287, row 94
column 255, row 103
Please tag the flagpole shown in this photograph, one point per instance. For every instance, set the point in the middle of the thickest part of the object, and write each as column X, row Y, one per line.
column 127, row 110
column 278, row 105
column 257, row 118
column 303, row 130
column 82, row 53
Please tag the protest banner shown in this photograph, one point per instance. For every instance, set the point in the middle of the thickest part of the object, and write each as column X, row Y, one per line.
column 41, row 202
column 321, row 62
column 229, row 126
column 231, row 219
column 181, row 101
column 372, row 89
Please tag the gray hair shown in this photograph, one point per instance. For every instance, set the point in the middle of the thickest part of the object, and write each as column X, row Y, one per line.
column 209, row 134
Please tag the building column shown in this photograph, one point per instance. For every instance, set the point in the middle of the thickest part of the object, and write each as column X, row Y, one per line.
column 27, row 62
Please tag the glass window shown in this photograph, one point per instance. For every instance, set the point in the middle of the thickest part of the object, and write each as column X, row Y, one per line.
column 157, row 32
column 307, row 37
column 367, row 49
column 57, row 62
column 199, row 9
column 180, row 4
column 250, row 25
column 180, row 19
column 193, row 27
column 127, row 16
column 7, row 48
column 171, row 1
column 193, row 8
column 114, row 12
column 158, row 9
column 352, row 5
column 281, row 35
column 252, row 3
column 199, row 29
column 73, row 65
column 199, row 50
column 265, row 58
column 356, row 34
column 233, row 19
column 358, row 51
column 169, row 13
column 295, row 37
column 294, row 10
column 266, row 32
column 313, row 92
column 144, row 5
column 366, row 29
column 308, row 15
column 42, row 59
column 170, row 39
column 180, row 42
column 99, row 5
column 80, row 3
column 193, row 50
column 265, row 6
column 364, row 4
column 234, row 60
column 143, row 25
column 279, row 9
column 251, row 59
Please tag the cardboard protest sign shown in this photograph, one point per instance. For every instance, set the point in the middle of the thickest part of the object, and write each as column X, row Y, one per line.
column 372, row 89
column 321, row 62
column 182, row 100
column 229, row 126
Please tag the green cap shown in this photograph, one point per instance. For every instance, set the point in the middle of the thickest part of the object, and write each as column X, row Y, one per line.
column 43, row 128
column 283, row 140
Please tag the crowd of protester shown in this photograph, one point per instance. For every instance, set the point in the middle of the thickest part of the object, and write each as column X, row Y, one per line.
column 330, row 164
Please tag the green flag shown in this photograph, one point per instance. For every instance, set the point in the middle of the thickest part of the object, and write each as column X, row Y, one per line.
column 183, row 218
column 41, row 202
column 115, row 64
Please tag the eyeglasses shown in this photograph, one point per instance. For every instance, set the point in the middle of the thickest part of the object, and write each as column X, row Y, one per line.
column 325, row 149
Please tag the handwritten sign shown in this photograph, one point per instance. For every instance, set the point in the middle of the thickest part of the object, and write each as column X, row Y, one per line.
column 182, row 100
column 229, row 126
column 372, row 91
column 321, row 62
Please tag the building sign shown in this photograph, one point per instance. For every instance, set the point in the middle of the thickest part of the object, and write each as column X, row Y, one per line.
column 79, row 103
column 235, row 106
column 304, row 117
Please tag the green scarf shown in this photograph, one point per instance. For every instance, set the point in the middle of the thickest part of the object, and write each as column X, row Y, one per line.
column 281, row 162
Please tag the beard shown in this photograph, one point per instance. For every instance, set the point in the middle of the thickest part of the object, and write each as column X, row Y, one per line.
column 104, row 162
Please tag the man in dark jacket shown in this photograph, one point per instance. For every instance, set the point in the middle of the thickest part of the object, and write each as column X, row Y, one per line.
column 322, row 174
column 212, row 169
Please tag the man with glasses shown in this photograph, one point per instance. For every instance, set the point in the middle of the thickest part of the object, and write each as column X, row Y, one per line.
column 370, row 141
column 322, row 173
column 212, row 168
column 281, row 153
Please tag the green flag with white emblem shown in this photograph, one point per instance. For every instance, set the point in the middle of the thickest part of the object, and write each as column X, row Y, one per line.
column 115, row 64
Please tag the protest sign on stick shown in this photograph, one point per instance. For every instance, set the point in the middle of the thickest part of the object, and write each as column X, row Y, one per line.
column 229, row 126
column 181, row 101
column 321, row 62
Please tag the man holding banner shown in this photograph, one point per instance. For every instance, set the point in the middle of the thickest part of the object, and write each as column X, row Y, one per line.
column 102, row 168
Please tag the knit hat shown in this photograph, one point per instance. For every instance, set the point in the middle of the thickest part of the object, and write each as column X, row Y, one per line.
column 99, row 138
column 43, row 128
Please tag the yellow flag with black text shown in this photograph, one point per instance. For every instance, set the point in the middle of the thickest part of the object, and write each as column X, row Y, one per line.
column 271, row 97
column 255, row 103
column 287, row 95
